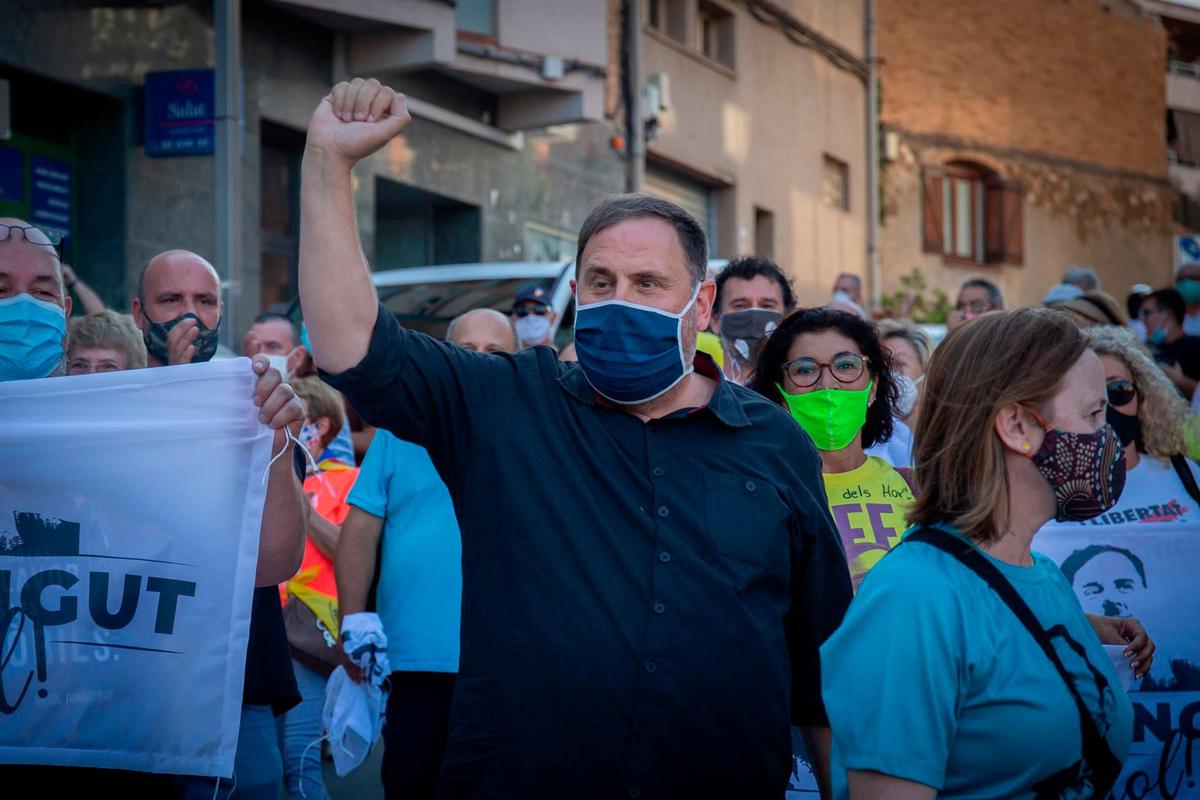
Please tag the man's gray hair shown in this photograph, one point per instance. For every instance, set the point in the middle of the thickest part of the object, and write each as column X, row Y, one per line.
column 623, row 207
column 1083, row 277
column 901, row 329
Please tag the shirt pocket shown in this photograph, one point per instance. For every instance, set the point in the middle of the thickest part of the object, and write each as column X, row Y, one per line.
column 746, row 520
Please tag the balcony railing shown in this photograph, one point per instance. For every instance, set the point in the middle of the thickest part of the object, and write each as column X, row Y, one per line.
column 1184, row 68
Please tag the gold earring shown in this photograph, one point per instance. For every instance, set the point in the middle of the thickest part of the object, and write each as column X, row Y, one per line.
column 1025, row 446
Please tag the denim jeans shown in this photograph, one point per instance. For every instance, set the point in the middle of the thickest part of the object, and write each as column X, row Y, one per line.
column 257, row 767
column 300, row 730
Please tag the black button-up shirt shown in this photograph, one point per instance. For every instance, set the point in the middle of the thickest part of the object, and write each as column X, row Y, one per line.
column 642, row 602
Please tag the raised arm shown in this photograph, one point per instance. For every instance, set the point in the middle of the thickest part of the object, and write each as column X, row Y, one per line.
column 339, row 301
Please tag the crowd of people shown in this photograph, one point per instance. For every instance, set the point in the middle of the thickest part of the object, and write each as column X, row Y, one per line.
column 632, row 566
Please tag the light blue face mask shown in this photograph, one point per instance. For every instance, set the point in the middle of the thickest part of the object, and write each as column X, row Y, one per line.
column 31, row 337
column 631, row 353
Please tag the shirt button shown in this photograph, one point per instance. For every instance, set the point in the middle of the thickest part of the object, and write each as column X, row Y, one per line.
column 649, row 666
column 663, row 511
column 657, row 472
column 635, row 791
column 659, row 608
column 751, row 486
column 664, row 556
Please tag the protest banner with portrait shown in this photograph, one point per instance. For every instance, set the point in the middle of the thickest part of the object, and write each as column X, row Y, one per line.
column 130, row 507
column 1146, row 570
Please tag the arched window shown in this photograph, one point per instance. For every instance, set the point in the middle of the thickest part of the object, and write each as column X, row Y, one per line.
column 971, row 215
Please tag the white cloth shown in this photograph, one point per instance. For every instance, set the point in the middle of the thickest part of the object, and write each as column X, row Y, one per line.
column 134, row 499
column 897, row 450
column 353, row 712
column 365, row 643
column 353, row 717
column 1153, row 493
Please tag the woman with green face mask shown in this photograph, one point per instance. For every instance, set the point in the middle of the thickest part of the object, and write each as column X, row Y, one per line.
column 829, row 370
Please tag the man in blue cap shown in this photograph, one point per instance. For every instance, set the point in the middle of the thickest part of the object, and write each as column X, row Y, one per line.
column 533, row 318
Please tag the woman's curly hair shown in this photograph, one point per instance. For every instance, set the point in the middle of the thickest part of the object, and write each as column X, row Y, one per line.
column 1163, row 413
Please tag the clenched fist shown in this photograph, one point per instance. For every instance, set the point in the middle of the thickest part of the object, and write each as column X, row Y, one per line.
column 356, row 119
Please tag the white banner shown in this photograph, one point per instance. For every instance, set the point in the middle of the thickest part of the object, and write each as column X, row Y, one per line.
column 1148, row 571
column 130, row 505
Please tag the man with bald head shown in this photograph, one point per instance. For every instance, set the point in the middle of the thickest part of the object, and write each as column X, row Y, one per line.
column 483, row 330
column 34, row 305
column 178, row 308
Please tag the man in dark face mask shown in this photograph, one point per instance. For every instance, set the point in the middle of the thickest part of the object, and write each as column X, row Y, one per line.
column 178, row 308
column 753, row 295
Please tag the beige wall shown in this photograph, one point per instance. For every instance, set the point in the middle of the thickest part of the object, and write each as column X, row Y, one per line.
column 762, row 130
column 572, row 29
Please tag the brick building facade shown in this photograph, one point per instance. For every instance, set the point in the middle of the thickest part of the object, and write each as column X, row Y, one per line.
column 1020, row 138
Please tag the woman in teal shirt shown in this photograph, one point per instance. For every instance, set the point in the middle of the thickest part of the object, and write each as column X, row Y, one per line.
column 934, row 686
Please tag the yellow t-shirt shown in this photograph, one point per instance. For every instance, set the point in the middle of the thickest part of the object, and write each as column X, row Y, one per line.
column 868, row 506
column 711, row 343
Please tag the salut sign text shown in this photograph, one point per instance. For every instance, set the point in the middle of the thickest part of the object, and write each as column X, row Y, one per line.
column 40, row 595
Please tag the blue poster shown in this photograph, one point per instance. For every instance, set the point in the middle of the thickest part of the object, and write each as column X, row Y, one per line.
column 180, row 106
column 50, row 202
column 12, row 175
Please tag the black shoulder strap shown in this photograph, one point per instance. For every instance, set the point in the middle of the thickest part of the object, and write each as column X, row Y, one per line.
column 1184, row 471
column 1105, row 766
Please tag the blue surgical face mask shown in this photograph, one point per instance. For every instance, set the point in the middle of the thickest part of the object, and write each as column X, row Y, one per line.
column 31, row 337
column 631, row 353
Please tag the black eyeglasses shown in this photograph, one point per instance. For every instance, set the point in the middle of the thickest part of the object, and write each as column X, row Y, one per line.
column 804, row 372
column 525, row 311
column 33, row 235
column 1121, row 392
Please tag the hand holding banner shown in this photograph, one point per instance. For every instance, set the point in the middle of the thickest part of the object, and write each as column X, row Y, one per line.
column 130, row 508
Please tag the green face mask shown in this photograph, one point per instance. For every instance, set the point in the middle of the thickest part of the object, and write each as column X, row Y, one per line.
column 1190, row 290
column 832, row 417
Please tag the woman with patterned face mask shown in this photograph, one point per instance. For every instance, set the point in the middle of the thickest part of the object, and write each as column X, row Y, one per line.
column 1150, row 419
column 829, row 370
column 1003, row 688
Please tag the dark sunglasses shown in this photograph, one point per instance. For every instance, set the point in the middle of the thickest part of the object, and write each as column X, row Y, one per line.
column 1121, row 392
column 525, row 311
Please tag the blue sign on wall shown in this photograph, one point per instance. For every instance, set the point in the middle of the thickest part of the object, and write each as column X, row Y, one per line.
column 180, row 106
column 12, row 175
column 50, row 203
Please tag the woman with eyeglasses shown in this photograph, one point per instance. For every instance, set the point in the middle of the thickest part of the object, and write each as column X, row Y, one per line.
column 966, row 666
column 1151, row 420
column 829, row 370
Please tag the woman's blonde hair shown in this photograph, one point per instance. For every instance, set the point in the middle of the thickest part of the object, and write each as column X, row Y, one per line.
column 108, row 330
column 321, row 400
column 997, row 359
column 1163, row 413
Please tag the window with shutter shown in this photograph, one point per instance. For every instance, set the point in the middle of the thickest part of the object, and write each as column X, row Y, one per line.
column 970, row 215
